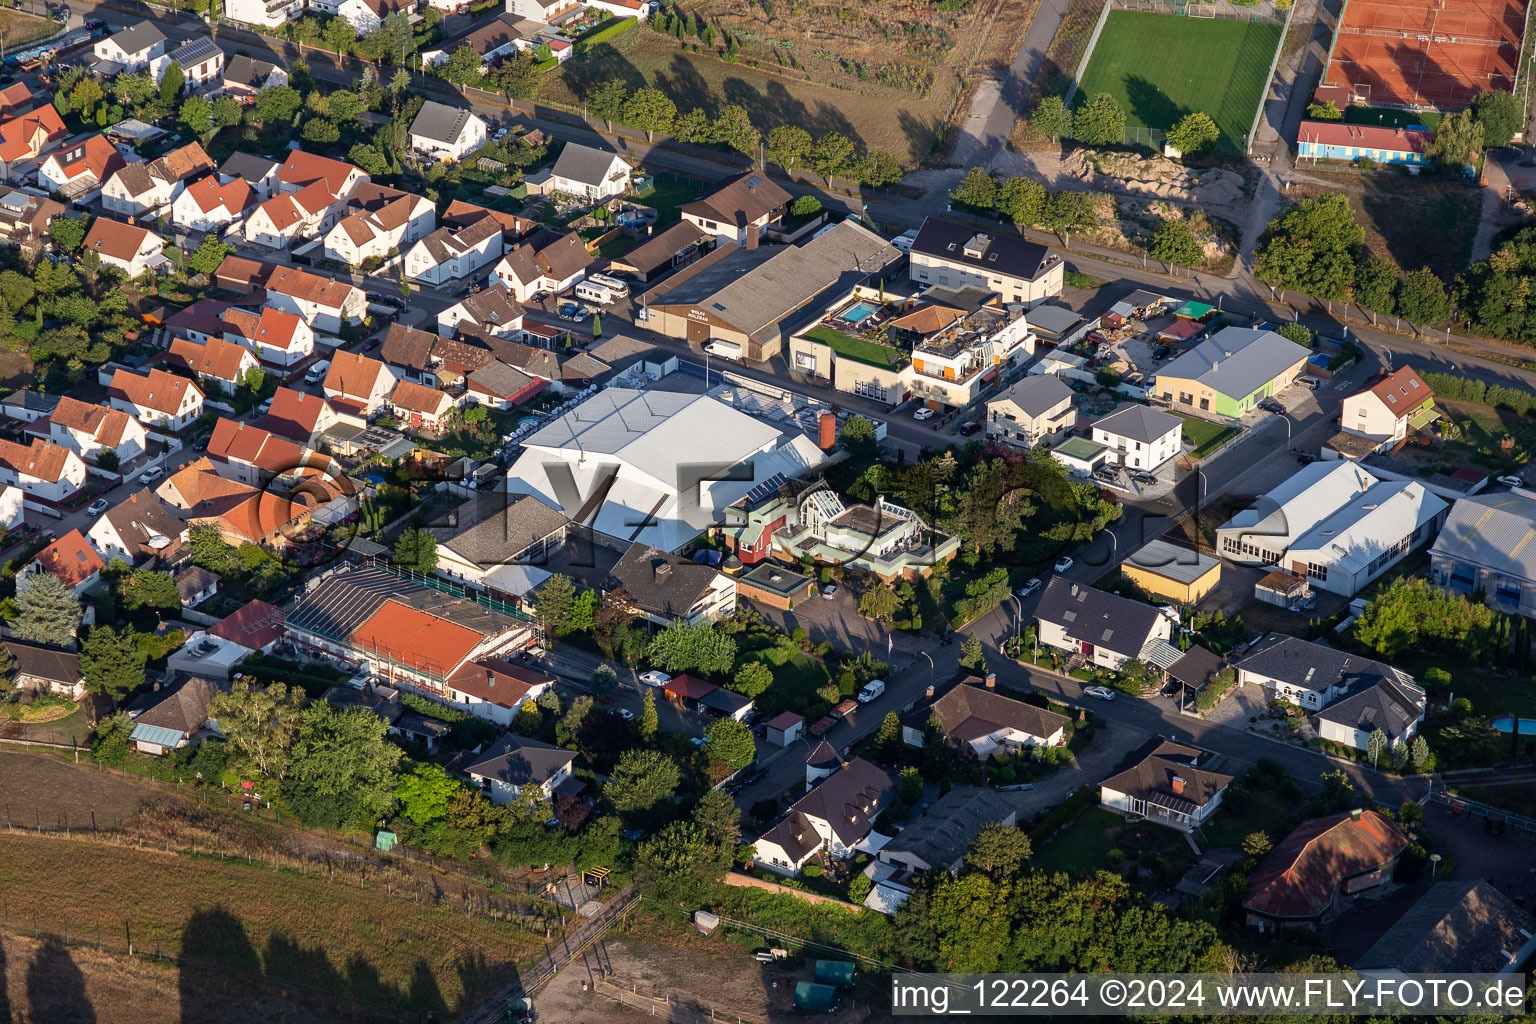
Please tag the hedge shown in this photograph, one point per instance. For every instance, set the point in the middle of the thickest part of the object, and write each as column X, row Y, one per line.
column 603, row 33
column 1463, row 389
column 1056, row 817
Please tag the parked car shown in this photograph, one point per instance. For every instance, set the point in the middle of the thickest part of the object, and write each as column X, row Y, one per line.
column 151, row 474
column 1311, row 383
column 1029, row 588
column 973, row 427
column 655, row 678
column 201, row 444
column 1144, row 478
column 923, row 413
column 1101, row 692
column 97, row 507
column 1306, row 458
column 1160, row 353
column 1270, row 405
column 625, row 713
column 829, row 591
column 1511, row 481
column 264, row 406
column 370, row 344
column 567, row 311
column 1171, row 687
column 1064, row 563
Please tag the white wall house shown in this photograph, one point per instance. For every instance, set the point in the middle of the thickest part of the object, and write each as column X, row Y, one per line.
column 1389, row 409
column 157, row 399
column 955, row 256
column 322, row 302
column 588, row 173
column 89, row 430
column 834, row 817
column 1140, row 437
column 201, row 62
column 43, row 470
column 380, row 221
column 354, row 381
column 1106, row 629
column 128, row 247
column 442, row 132
column 211, row 205
column 1168, row 787
column 1310, row 675
column 133, row 48
column 280, row 340
column 263, row 14
column 448, row 255
column 513, row 761
column 291, row 217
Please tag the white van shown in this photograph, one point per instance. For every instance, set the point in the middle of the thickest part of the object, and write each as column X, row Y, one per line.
column 619, row 288
column 872, row 690
column 317, row 372
column 591, row 291
column 723, row 349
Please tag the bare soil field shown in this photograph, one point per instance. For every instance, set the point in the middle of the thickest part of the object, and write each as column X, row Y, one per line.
column 46, row 793
column 15, row 368
column 1412, row 221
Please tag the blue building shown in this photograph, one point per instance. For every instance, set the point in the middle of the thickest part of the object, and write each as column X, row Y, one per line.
column 1335, row 140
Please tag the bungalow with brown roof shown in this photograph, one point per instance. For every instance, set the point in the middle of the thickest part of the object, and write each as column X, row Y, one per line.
column 1323, row 864
column 128, row 247
column 1167, row 786
column 495, row 689
column 491, row 310
column 747, row 204
column 46, row 668
column 831, row 820
column 173, row 717
column 973, row 713
column 257, row 626
column 138, row 529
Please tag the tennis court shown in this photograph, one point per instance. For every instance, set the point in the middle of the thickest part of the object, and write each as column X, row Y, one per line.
column 1160, row 67
column 1426, row 53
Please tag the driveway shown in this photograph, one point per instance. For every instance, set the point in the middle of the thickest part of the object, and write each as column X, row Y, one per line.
column 838, row 622
column 1111, row 742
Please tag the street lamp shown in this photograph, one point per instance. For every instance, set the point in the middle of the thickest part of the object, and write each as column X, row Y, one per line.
column 930, row 666
column 1018, row 612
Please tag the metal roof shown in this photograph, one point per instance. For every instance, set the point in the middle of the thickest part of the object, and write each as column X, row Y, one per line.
column 157, row 734
column 1171, row 561
column 1495, row 531
column 1236, row 361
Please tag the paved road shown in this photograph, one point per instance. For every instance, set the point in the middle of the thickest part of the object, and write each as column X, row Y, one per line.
column 995, row 106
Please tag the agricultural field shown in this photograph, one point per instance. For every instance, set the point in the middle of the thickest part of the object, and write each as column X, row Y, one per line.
column 1159, row 67
column 1412, row 221
column 20, row 29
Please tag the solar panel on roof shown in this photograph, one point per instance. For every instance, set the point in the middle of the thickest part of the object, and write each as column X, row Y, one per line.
column 754, row 181
column 765, row 488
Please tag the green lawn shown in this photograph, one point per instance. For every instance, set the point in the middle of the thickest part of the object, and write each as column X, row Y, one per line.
column 1264, row 810
column 1491, row 692
column 1083, row 846
column 1390, row 118
column 795, row 681
column 1207, row 435
column 667, row 197
column 1160, row 67
column 857, row 349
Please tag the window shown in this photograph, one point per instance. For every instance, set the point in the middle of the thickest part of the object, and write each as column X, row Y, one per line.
column 1317, row 572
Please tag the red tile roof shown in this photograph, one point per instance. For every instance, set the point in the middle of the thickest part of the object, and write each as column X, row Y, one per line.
column 219, row 358
column 414, row 397
column 95, row 156
column 1402, row 391
column 354, row 375
column 199, row 482
column 300, row 284
column 301, row 168
column 416, row 639
column 106, row 425
column 70, row 558
column 1299, row 877
column 255, row 625
column 43, row 460
column 118, row 240
column 498, row 682
column 235, row 196
column 277, row 328
column 158, row 391
column 1364, row 136
column 295, row 414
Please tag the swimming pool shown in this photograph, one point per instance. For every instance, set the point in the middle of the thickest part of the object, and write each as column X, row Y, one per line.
column 1506, row 724
column 859, row 312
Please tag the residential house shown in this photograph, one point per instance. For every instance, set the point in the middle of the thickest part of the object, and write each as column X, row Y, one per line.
column 44, row 471
column 24, row 138
column 407, row 352
column 456, row 251
column 541, row 10
column 280, row 340
column 667, row 250
column 1389, row 706
column 414, row 636
column 141, row 189
column 588, row 173
column 1231, row 372
column 1322, row 865
column 245, row 78
column 133, row 48
column 1388, row 410
column 746, row 203
column 1335, row 140
column 129, row 248
column 364, row 16
column 1139, row 437
column 299, row 416
column 1179, row 575
column 358, row 384
column 1464, row 926
column 70, row 558
column 1484, row 548
column 220, row 366
column 496, row 689
column 665, row 588
column 952, row 367
column 157, row 398
column 79, row 168
column 941, row 837
column 212, row 204
column 255, row 456
column 264, row 15
column 1033, row 411
column 831, row 820
column 173, row 717
column 543, row 262
column 290, row 217
column 564, row 375
column 492, row 310
column 300, row 169
column 46, row 669
column 24, row 216
column 1310, row 675
column 512, row 762
column 757, row 298
column 500, row 37
column 639, row 9
column 380, row 221
column 201, row 62
column 17, row 98
column 1167, row 786
column 499, row 543
column 258, row 172
column 442, row 132
column 420, row 407
column 886, row 539
column 955, row 256
column 322, row 302
column 256, row 626
column 1105, row 629
column 499, row 386
column 138, row 529
column 1335, row 523
column 973, row 714
column 28, row 406
column 89, row 430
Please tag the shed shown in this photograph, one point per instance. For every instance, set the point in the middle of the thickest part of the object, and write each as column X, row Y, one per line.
column 1080, row 455
column 783, row 729
column 1180, row 574
column 835, row 972
column 818, row 998
column 774, row 585
column 1181, row 330
column 727, row 702
column 688, row 687
column 1282, row 588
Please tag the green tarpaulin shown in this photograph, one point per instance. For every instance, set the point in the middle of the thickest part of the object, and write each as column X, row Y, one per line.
column 835, row 972
column 811, row 996
column 1194, row 310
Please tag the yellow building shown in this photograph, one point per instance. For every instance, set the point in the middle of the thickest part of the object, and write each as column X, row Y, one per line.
column 1179, row 574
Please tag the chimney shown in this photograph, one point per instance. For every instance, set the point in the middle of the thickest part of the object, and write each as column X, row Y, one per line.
column 827, row 438
column 1356, row 814
column 751, row 238
column 991, row 680
column 1178, row 785
column 663, row 570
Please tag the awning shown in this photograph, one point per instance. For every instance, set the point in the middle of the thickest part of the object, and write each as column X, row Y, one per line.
column 1423, row 417
column 1195, row 310
column 158, row 735
column 872, row 843
column 1161, row 654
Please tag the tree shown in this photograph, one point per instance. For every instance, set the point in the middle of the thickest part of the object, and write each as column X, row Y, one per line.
column 970, row 917
column 857, row 435
column 640, row 781
column 1376, row 286
column 1021, row 201
column 678, row 862
column 1173, row 242
column 752, row 678
column 650, row 721
column 425, row 794
column 1376, row 745
column 889, row 740
column 999, row 851
column 227, row 112
column 878, row 601
column 733, row 128
column 110, row 661
column 1099, row 122
column 278, row 105
column 209, row 255
column 552, row 602
column 416, row 550
column 832, row 155
column 1052, row 118
column 1312, row 247
column 172, row 83
column 67, row 233
column 1412, row 615
column 1328, row 111
column 518, row 76
column 1419, row 753
column 691, row 126
column 528, row 720
column 369, row 158
column 1499, row 114
column 805, row 206
column 542, row 53
column 650, row 110
column 978, row 189
column 260, row 724
column 686, row 648
column 394, row 40
column 343, row 770
column 972, row 657
column 1067, row 212
column 607, row 101
column 145, row 588
column 1458, row 140
column 730, row 742
column 988, row 510
column 47, row 612
column 321, row 130
column 1301, row 334
column 1421, row 298
column 878, row 168
column 464, row 66
column 197, row 115
column 717, row 816
column 1193, row 132
column 789, row 145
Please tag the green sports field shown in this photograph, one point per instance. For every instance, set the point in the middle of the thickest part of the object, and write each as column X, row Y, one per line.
column 1160, row 67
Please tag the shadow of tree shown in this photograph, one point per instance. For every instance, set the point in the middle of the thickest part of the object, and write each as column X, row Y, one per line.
column 56, row 988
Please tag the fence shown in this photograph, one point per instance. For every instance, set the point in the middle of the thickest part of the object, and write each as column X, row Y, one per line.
column 1269, row 80
column 1263, row 12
